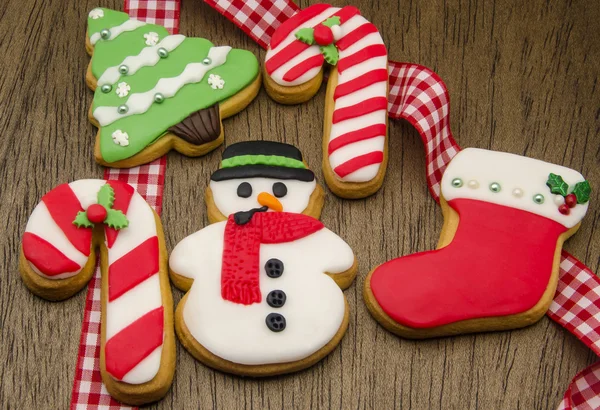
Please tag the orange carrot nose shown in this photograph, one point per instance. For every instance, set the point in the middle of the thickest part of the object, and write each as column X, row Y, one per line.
column 266, row 199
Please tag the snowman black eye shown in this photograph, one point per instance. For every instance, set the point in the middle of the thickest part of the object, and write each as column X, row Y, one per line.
column 244, row 190
column 279, row 189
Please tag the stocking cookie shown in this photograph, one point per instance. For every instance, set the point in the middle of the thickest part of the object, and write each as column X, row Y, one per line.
column 496, row 266
column 155, row 92
column 355, row 123
column 58, row 258
column 265, row 284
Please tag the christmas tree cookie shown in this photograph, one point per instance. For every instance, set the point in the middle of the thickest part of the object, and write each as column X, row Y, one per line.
column 496, row 267
column 78, row 223
column 264, row 285
column 155, row 92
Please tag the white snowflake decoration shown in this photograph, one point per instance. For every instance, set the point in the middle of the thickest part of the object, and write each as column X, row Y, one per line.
column 216, row 81
column 151, row 38
column 120, row 138
column 123, row 89
column 96, row 14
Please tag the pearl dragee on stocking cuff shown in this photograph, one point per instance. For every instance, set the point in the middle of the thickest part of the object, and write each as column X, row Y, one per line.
column 510, row 180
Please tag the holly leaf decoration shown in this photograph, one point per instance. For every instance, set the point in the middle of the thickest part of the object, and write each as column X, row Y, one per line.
column 116, row 219
column 106, row 196
column 331, row 54
column 557, row 185
column 306, row 35
column 582, row 191
column 82, row 221
column 332, row 21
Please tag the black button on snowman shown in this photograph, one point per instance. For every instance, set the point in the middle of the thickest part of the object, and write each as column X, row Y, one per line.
column 275, row 322
column 274, row 268
column 276, row 298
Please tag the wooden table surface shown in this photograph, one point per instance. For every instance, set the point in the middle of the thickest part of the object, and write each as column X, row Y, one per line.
column 523, row 78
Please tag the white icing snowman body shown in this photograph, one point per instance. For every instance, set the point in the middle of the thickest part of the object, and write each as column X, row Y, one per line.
column 314, row 305
column 300, row 308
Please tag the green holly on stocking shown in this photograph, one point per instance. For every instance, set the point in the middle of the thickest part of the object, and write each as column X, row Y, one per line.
column 579, row 195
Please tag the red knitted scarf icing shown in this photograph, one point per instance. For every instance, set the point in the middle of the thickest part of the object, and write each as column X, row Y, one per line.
column 240, row 273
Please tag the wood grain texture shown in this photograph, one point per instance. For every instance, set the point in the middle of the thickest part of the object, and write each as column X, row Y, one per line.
column 523, row 78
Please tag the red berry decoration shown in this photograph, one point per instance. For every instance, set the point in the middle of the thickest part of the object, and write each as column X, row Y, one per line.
column 323, row 35
column 571, row 200
column 96, row 213
column 564, row 209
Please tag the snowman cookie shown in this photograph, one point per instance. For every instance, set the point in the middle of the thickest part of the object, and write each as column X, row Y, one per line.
column 65, row 232
column 265, row 283
column 497, row 263
column 155, row 92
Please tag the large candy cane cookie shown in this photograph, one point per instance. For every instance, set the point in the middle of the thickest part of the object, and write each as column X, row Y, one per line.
column 355, row 123
column 155, row 92
column 58, row 257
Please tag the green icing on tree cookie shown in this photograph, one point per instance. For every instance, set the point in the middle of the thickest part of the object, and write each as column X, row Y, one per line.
column 113, row 52
column 239, row 69
column 192, row 50
column 110, row 18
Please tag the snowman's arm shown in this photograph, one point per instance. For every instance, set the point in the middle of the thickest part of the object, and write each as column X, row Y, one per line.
column 336, row 256
column 194, row 255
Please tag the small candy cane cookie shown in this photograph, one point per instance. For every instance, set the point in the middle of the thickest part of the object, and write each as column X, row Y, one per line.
column 155, row 92
column 355, row 123
column 58, row 258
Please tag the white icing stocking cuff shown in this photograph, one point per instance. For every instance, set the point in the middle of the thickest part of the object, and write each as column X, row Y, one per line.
column 511, row 180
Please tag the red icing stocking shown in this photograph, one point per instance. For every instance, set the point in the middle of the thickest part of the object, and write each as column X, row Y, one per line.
column 503, row 254
column 499, row 263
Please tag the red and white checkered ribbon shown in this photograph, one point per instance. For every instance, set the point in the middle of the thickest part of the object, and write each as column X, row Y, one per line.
column 576, row 307
column 419, row 96
column 149, row 181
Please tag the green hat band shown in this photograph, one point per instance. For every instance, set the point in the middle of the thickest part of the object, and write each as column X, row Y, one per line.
column 270, row 160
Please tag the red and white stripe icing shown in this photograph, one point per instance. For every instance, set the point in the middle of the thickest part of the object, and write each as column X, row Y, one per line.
column 357, row 137
column 55, row 249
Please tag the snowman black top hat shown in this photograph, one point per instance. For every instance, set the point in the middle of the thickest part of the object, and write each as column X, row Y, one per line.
column 264, row 159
